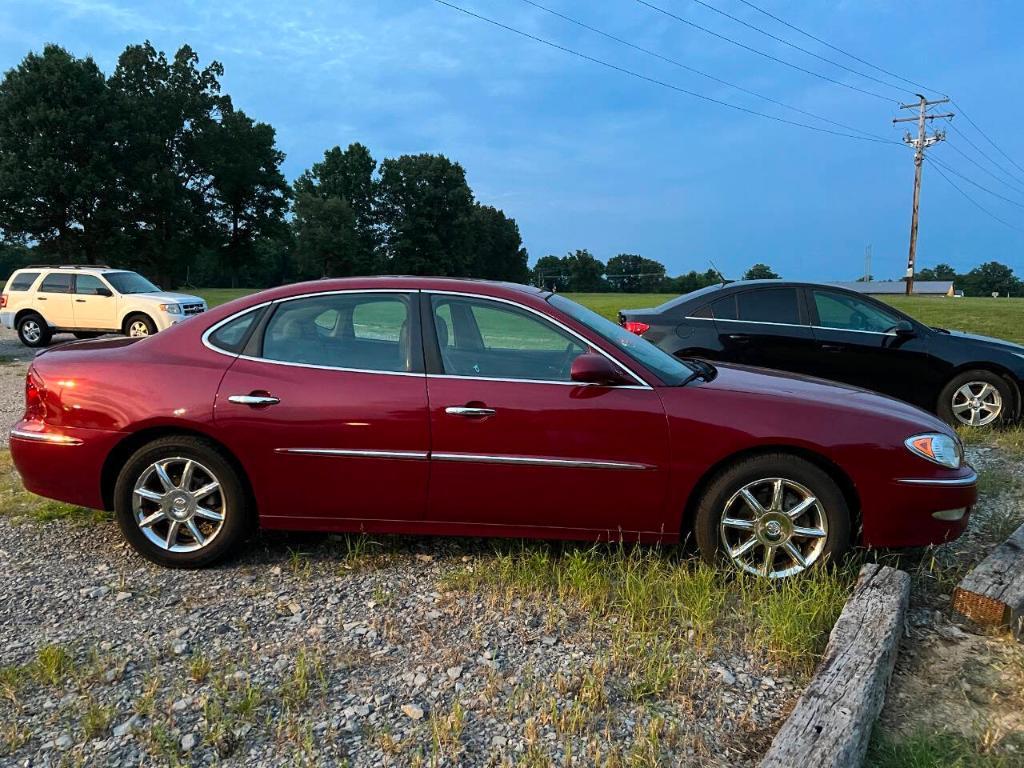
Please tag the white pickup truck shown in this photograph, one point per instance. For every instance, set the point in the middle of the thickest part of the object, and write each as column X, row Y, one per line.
column 88, row 301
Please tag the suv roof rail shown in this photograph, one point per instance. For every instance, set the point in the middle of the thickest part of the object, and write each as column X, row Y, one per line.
column 66, row 266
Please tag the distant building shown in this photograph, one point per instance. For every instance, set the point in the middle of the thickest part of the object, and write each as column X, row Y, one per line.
column 896, row 287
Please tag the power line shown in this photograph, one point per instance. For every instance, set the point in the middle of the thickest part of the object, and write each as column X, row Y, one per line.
column 998, row 149
column 982, row 152
column 974, row 202
column 688, row 68
column 793, row 45
column 976, row 184
column 974, row 162
column 656, row 81
column 827, row 44
column 762, row 53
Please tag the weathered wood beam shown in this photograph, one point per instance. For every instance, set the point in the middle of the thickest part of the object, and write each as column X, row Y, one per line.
column 993, row 593
column 831, row 724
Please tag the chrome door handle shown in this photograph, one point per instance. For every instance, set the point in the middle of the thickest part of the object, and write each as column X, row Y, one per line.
column 469, row 413
column 254, row 399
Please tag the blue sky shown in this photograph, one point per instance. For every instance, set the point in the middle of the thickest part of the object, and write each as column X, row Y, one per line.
column 584, row 157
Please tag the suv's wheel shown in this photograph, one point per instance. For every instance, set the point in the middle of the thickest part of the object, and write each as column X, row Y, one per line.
column 139, row 325
column 774, row 515
column 33, row 331
column 180, row 503
column 976, row 399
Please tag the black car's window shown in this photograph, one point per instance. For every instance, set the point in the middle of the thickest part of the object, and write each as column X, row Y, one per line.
column 489, row 339
column 769, row 305
column 724, row 308
column 849, row 313
column 56, row 282
column 703, row 312
column 89, row 285
column 360, row 331
column 232, row 335
column 22, row 282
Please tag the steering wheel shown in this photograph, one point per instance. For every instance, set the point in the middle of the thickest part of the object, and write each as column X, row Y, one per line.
column 858, row 321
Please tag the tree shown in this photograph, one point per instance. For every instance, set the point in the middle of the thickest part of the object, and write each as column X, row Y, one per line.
column 168, row 110
column 425, row 209
column 496, row 246
column 635, row 274
column 249, row 195
column 341, row 188
column 991, row 277
column 550, row 273
column 691, row 281
column 760, row 272
column 586, row 273
column 58, row 180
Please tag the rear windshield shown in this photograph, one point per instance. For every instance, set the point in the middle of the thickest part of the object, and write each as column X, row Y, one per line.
column 22, row 281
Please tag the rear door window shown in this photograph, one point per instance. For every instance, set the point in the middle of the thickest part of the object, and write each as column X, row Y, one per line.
column 769, row 305
column 57, row 282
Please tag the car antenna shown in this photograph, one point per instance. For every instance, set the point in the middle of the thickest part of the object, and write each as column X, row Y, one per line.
column 718, row 272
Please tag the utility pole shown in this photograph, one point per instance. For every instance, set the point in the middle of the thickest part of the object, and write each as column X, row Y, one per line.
column 920, row 143
column 867, row 263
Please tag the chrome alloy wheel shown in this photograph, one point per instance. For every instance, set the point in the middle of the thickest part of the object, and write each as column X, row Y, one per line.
column 178, row 504
column 138, row 328
column 977, row 404
column 773, row 527
column 31, row 331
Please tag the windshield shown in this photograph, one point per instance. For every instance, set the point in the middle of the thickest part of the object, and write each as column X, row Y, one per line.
column 669, row 369
column 129, row 282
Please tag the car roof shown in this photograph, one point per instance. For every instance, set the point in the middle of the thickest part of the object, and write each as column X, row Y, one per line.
column 69, row 268
column 493, row 288
column 738, row 285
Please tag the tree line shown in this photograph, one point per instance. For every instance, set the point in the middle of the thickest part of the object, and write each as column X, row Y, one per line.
column 154, row 168
column 984, row 280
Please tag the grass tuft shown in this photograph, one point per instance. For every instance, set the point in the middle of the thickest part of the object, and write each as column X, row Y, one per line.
column 930, row 749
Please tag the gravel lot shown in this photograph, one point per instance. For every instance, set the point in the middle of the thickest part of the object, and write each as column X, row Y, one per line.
column 349, row 651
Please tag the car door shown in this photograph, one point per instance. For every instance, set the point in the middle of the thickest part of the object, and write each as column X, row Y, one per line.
column 766, row 327
column 94, row 304
column 859, row 343
column 53, row 300
column 515, row 443
column 327, row 408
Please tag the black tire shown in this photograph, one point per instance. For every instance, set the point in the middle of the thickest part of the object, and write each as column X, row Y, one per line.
column 946, row 406
column 725, row 487
column 138, row 317
column 87, row 334
column 230, row 500
column 33, row 330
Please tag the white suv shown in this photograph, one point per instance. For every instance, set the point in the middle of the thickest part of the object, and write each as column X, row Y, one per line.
column 88, row 301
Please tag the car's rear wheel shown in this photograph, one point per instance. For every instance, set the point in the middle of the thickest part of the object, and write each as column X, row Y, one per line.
column 179, row 502
column 774, row 515
column 976, row 399
column 139, row 325
column 33, row 331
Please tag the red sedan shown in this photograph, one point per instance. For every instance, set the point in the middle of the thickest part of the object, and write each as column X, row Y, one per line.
column 442, row 406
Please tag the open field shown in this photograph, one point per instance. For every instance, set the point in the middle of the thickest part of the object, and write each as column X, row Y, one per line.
column 1002, row 318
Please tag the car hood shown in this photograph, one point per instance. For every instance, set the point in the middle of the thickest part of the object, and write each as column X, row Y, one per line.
column 167, row 297
column 796, row 390
column 988, row 341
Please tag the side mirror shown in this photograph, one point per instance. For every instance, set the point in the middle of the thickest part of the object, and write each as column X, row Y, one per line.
column 104, row 292
column 903, row 328
column 592, row 368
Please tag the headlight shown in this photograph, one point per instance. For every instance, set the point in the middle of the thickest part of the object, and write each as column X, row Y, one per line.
column 937, row 448
column 173, row 309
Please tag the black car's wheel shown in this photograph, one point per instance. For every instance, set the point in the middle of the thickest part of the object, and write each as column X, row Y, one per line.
column 180, row 503
column 33, row 331
column 976, row 399
column 774, row 515
column 139, row 325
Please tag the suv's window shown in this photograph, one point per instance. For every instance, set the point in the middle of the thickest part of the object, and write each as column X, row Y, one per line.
column 56, row 282
column 489, row 339
column 22, row 281
column 89, row 285
column 232, row 335
column 769, row 305
column 362, row 331
column 841, row 311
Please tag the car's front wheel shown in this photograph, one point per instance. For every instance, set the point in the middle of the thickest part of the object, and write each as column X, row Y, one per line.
column 180, row 503
column 139, row 325
column 774, row 515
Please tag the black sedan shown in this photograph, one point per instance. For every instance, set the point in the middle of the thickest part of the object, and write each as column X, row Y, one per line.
column 834, row 333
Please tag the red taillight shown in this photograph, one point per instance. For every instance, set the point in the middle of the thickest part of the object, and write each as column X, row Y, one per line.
column 33, row 397
column 635, row 326
column 3, row 300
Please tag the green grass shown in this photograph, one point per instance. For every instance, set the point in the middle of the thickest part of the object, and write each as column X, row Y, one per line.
column 930, row 749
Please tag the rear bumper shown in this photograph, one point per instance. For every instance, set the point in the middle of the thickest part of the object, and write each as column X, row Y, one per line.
column 914, row 512
column 7, row 319
column 64, row 464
